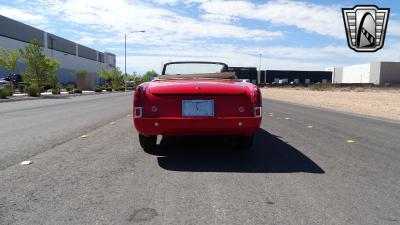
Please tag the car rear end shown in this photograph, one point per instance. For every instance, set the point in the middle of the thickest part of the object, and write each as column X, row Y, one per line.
column 197, row 113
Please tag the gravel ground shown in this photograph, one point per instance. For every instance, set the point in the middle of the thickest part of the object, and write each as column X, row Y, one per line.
column 372, row 102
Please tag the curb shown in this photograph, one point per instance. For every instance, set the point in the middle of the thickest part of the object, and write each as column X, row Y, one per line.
column 27, row 98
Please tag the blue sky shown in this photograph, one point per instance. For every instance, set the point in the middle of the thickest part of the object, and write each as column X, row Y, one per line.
column 305, row 35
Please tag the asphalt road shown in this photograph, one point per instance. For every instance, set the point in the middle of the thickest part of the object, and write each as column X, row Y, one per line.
column 301, row 170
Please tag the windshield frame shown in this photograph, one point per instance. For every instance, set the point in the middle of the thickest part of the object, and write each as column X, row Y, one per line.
column 224, row 66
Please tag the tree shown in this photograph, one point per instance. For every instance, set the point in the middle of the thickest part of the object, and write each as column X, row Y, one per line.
column 113, row 76
column 9, row 59
column 149, row 75
column 41, row 70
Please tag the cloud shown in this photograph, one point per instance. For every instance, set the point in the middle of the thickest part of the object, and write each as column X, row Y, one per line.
column 163, row 26
column 320, row 19
column 22, row 15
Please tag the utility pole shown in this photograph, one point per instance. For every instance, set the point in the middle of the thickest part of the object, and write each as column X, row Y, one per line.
column 125, row 53
column 259, row 70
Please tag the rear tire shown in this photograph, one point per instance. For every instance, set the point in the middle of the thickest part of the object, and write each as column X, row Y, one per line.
column 147, row 142
column 245, row 142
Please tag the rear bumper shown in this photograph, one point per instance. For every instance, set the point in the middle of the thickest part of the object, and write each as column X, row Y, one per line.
column 197, row 126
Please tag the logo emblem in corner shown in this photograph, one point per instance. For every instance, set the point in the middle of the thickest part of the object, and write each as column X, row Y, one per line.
column 365, row 27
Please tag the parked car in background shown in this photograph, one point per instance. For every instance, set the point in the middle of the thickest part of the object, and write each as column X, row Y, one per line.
column 197, row 98
column 14, row 79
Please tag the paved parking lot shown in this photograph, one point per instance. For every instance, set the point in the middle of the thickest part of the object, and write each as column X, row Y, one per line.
column 308, row 166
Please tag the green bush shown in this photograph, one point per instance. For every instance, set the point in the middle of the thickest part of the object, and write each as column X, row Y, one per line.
column 320, row 87
column 33, row 90
column 69, row 87
column 98, row 89
column 2, row 94
column 8, row 90
column 109, row 89
column 70, row 92
column 77, row 91
column 21, row 88
column 55, row 91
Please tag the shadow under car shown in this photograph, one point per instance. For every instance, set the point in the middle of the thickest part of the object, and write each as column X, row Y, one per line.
column 269, row 154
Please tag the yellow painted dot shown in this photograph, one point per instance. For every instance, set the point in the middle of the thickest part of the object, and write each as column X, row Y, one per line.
column 112, row 123
column 351, row 141
column 287, row 118
column 85, row 136
column 309, row 126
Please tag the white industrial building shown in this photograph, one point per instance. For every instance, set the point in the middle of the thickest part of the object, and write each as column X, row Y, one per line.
column 71, row 55
column 378, row 73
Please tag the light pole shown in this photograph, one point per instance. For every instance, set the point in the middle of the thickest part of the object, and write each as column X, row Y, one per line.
column 259, row 70
column 136, row 31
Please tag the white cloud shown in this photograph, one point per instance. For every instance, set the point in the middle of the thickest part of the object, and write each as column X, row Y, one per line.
column 163, row 26
column 324, row 20
column 22, row 15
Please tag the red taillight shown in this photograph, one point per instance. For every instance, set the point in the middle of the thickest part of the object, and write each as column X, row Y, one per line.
column 138, row 102
column 138, row 97
column 257, row 97
column 257, row 102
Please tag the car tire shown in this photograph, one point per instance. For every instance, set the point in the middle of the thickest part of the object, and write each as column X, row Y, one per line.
column 147, row 142
column 245, row 142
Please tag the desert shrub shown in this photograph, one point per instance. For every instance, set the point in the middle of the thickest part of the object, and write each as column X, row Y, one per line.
column 55, row 91
column 2, row 94
column 8, row 90
column 319, row 87
column 77, row 91
column 21, row 88
column 33, row 90
column 70, row 87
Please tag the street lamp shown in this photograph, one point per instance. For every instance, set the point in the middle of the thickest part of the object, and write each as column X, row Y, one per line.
column 136, row 31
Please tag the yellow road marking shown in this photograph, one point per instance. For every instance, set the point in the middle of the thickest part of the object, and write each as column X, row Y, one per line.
column 85, row 136
column 287, row 118
column 112, row 123
column 351, row 141
column 309, row 126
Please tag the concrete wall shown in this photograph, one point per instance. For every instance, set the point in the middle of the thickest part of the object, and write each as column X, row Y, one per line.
column 375, row 73
column 60, row 44
column 69, row 63
column 337, row 75
column 19, row 31
column 390, row 73
column 356, row 73
column 16, row 35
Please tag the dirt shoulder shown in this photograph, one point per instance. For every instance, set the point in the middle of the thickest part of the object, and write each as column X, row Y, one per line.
column 383, row 103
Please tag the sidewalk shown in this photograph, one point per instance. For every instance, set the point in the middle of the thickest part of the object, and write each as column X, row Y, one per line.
column 44, row 95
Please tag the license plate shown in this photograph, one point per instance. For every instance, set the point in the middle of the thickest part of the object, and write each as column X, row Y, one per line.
column 197, row 107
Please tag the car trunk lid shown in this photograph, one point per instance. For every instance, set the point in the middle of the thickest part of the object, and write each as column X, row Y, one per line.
column 192, row 87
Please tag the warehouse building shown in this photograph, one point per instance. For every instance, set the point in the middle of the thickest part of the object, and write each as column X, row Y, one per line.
column 246, row 73
column 295, row 77
column 378, row 73
column 71, row 55
column 281, row 76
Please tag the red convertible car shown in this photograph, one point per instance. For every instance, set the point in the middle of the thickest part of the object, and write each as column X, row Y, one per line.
column 197, row 98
